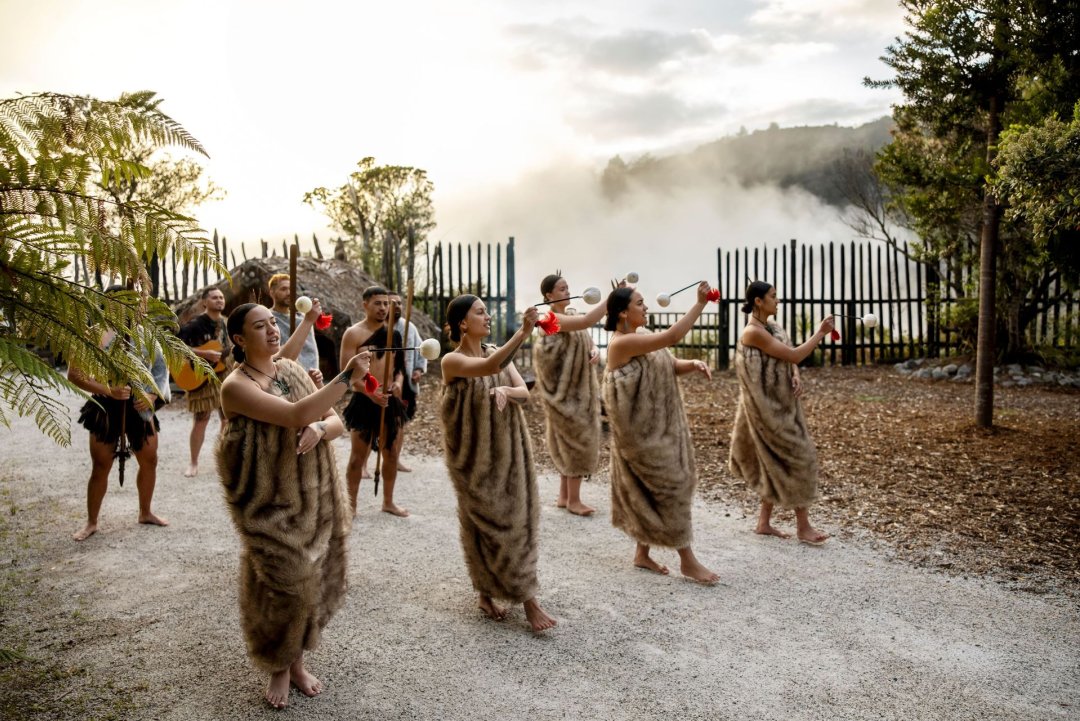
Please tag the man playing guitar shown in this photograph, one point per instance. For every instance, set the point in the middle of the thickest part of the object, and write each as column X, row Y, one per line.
column 207, row 336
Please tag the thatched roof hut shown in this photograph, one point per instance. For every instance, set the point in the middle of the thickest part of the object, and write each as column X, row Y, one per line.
column 338, row 284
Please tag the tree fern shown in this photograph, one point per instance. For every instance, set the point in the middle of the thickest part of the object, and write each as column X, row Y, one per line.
column 56, row 151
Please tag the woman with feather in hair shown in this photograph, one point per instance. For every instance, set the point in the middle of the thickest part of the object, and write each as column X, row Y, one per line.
column 566, row 381
column 489, row 458
column 652, row 460
column 771, row 449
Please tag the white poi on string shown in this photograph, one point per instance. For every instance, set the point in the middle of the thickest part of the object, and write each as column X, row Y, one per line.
column 430, row 349
column 869, row 320
column 303, row 304
column 632, row 277
column 590, row 295
column 664, row 299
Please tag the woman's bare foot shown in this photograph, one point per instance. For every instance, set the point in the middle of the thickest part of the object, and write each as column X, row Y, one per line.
column 89, row 530
column 277, row 691
column 643, row 560
column 192, row 470
column 537, row 617
column 299, row 676
column 396, row 510
column 812, row 536
column 769, row 530
column 560, row 502
column 491, row 609
column 364, row 473
column 693, row 570
column 151, row 519
column 402, row 468
column 580, row 509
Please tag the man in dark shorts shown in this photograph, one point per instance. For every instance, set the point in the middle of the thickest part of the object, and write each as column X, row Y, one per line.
column 365, row 410
column 116, row 406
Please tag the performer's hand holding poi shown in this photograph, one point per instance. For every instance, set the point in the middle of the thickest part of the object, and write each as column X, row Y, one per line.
column 529, row 318
column 358, row 367
column 703, row 292
column 594, row 355
column 703, row 368
column 826, row 326
column 145, row 403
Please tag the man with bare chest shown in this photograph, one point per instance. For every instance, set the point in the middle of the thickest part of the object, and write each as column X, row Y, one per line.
column 364, row 416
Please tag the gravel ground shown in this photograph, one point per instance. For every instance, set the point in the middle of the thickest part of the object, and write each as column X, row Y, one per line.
column 141, row 622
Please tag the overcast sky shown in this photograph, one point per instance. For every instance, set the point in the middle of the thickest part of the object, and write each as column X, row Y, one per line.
column 483, row 94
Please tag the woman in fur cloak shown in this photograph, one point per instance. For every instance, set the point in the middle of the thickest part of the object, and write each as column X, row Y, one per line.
column 570, row 392
column 771, row 449
column 282, row 488
column 490, row 461
column 652, row 461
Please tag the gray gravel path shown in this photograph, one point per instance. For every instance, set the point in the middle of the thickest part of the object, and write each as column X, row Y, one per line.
column 793, row 632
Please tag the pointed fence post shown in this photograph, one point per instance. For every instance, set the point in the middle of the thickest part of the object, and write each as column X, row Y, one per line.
column 511, row 288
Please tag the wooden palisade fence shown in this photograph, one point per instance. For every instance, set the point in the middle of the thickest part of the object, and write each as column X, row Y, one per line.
column 914, row 307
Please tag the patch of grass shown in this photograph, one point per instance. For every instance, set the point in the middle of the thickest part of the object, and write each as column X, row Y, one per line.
column 35, row 689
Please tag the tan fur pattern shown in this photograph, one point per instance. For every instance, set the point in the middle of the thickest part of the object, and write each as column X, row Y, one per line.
column 652, row 460
column 292, row 514
column 570, row 392
column 490, row 462
column 771, row 449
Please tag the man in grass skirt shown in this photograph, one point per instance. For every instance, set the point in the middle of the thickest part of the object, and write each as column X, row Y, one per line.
column 204, row 400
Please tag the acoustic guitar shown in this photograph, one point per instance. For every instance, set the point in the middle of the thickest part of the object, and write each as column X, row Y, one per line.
column 184, row 375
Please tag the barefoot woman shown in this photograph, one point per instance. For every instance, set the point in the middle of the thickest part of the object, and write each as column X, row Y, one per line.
column 490, row 461
column 771, row 449
column 652, row 461
column 281, row 484
column 570, row 393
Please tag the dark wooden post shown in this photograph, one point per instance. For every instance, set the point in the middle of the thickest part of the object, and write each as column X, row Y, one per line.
column 511, row 290
column 294, row 251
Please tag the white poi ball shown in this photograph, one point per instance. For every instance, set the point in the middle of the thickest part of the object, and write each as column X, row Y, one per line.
column 303, row 304
column 663, row 300
column 591, row 295
column 632, row 277
column 869, row 320
column 430, row 349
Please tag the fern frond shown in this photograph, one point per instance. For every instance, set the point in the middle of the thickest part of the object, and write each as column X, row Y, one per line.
column 58, row 155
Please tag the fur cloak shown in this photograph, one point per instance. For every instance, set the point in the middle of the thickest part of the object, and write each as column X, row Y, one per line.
column 490, row 462
column 292, row 514
column 771, row 449
column 570, row 392
column 652, row 461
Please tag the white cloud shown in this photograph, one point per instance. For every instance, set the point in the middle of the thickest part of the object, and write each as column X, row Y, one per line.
column 881, row 17
column 288, row 96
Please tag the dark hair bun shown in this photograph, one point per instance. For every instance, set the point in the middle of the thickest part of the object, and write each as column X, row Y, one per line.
column 238, row 354
column 747, row 308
